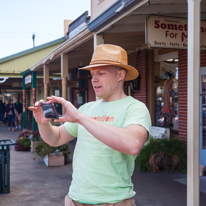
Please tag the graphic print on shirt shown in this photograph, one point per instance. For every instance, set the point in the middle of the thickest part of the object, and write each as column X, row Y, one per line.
column 104, row 118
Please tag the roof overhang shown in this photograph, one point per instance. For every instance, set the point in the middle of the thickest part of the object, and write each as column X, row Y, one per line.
column 126, row 28
column 114, row 13
column 35, row 49
column 66, row 47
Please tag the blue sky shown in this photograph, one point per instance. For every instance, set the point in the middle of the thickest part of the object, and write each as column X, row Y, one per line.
column 20, row 19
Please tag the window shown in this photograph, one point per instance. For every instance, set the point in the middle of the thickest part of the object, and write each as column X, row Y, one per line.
column 166, row 106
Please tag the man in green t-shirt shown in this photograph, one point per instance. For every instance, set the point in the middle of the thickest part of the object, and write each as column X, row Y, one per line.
column 110, row 133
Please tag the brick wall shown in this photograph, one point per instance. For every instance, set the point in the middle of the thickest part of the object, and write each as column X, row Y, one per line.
column 182, row 89
column 182, row 93
column 139, row 61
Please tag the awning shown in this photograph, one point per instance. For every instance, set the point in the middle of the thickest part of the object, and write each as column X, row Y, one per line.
column 67, row 46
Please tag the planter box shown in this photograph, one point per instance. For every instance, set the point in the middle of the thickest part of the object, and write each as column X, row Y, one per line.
column 33, row 145
column 54, row 160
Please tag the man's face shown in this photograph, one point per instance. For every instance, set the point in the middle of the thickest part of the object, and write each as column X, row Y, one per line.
column 17, row 100
column 105, row 81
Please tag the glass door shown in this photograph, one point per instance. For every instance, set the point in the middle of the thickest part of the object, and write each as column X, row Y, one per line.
column 203, row 116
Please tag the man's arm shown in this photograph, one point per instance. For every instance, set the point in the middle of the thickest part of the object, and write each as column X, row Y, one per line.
column 54, row 136
column 127, row 140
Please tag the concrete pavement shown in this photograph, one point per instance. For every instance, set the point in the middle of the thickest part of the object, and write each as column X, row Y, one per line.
column 33, row 183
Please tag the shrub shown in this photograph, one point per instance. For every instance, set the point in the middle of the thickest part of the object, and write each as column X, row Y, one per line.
column 35, row 136
column 23, row 143
column 42, row 149
column 163, row 155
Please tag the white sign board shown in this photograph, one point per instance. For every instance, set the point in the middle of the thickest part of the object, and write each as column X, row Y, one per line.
column 77, row 30
column 28, row 79
column 170, row 32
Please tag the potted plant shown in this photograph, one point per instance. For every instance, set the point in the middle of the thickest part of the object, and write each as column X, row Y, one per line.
column 35, row 138
column 23, row 142
column 53, row 156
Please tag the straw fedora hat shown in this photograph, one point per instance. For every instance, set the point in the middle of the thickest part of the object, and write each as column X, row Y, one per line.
column 107, row 54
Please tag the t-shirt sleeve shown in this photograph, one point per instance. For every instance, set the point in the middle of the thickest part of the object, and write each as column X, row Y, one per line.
column 137, row 113
column 72, row 128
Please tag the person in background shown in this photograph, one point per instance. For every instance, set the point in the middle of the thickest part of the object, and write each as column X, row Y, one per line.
column 9, row 112
column 19, row 110
column 1, row 110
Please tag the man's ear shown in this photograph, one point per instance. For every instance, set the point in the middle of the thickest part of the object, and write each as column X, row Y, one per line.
column 122, row 74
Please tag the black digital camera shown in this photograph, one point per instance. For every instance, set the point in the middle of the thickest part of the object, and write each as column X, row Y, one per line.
column 49, row 111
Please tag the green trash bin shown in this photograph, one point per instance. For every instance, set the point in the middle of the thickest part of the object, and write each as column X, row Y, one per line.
column 5, row 145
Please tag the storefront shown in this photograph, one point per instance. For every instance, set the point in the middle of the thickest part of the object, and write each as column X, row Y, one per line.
column 162, row 84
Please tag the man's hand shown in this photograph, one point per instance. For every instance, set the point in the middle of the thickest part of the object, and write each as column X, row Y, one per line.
column 72, row 113
column 38, row 113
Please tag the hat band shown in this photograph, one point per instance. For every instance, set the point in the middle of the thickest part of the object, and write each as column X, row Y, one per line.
column 104, row 62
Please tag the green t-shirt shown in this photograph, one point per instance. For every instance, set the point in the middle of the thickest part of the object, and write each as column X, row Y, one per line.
column 100, row 173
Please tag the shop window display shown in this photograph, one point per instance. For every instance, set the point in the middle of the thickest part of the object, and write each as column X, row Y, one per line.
column 203, row 109
column 167, row 103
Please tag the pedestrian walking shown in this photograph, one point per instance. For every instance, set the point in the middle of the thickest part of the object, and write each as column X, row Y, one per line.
column 10, row 113
column 110, row 133
column 2, row 108
column 18, row 116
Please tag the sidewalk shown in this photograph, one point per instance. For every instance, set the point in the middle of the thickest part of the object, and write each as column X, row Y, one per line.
column 32, row 183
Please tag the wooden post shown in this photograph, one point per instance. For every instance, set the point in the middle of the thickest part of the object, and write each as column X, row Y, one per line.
column 24, row 104
column 193, row 104
column 98, row 39
column 34, row 124
column 46, row 80
column 64, row 75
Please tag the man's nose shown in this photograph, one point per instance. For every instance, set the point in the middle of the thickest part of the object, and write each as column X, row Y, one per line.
column 94, row 78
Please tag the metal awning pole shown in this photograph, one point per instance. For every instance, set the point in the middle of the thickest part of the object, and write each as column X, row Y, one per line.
column 193, row 103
